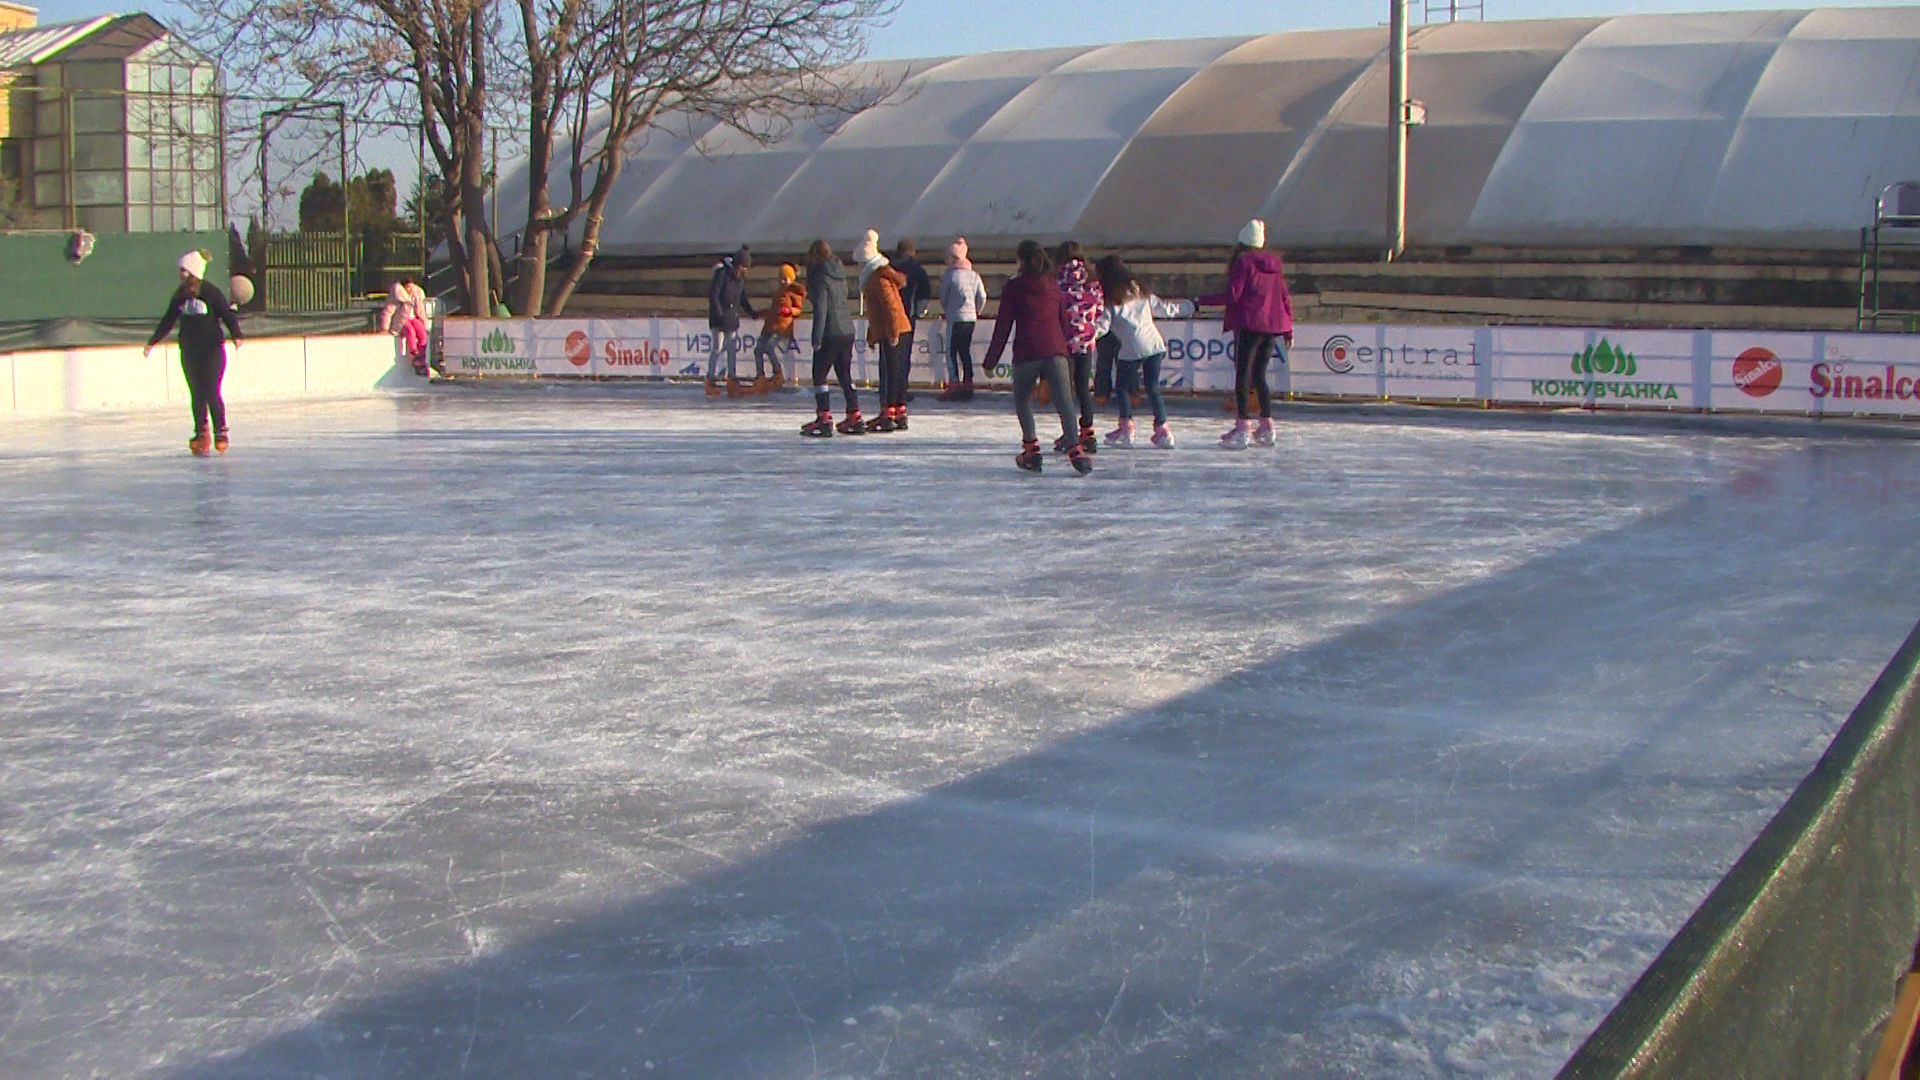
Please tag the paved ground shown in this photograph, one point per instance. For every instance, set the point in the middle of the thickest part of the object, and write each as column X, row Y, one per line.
column 553, row 732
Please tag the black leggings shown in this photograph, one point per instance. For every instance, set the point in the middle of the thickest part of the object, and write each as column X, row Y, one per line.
column 1105, row 351
column 834, row 357
column 1083, row 386
column 204, row 372
column 893, row 372
column 905, row 368
column 1251, row 354
column 960, row 352
column 1028, row 372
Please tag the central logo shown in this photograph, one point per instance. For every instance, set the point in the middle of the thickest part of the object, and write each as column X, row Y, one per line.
column 1757, row 372
column 1604, row 358
column 497, row 342
column 579, row 349
column 1337, row 354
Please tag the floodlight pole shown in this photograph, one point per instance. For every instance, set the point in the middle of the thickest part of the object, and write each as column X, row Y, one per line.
column 1397, row 133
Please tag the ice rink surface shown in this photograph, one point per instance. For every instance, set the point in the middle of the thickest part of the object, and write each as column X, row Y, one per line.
column 549, row 732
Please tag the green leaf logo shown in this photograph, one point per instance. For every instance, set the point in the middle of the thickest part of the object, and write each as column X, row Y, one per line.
column 1605, row 358
column 497, row 342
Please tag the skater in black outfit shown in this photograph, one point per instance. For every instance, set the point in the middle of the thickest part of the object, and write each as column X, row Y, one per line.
column 915, row 295
column 832, row 344
column 201, row 310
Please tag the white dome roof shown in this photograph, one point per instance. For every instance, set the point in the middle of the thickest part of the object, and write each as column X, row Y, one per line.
column 1758, row 129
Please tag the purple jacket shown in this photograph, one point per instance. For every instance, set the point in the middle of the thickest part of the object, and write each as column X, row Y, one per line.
column 1256, row 298
column 1031, row 304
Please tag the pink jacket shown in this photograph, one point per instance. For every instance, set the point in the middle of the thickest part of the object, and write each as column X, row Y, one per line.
column 406, row 301
column 1256, row 298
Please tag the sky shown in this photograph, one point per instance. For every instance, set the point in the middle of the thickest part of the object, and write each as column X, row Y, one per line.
column 946, row 27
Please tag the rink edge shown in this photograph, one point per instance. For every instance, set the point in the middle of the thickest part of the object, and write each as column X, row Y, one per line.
column 1795, row 959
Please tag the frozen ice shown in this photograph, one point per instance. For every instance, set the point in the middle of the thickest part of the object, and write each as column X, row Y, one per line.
column 550, row 731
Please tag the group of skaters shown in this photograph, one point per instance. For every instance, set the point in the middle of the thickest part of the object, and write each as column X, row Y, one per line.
column 1056, row 313
column 1062, row 318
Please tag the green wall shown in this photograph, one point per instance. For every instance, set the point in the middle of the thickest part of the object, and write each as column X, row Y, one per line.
column 128, row 276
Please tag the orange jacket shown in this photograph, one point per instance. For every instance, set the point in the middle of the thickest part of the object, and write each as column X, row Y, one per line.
column 886, row 316
column 787, row 305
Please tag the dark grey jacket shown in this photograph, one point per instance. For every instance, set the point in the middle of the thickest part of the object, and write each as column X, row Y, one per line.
column 827, row 294
column 726, row 298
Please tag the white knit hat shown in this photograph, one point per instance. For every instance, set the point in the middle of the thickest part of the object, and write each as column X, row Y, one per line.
column 1254, row 233
column 867, row 254
column 194, row 263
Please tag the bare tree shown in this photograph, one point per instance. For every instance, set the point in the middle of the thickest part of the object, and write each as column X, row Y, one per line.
column 604, row 74
column 597, row 77
column 430, row 59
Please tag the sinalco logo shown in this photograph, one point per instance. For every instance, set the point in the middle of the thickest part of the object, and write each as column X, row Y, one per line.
column 498, row 342
column 579, row 349
column 1337, row 354
column 1757, row 372
column 1605, row 358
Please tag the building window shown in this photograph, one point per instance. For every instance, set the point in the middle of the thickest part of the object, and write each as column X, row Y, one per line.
column 99, row 189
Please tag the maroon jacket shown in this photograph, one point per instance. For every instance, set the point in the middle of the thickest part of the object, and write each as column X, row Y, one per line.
column 1033, row 303
column 1256, row 298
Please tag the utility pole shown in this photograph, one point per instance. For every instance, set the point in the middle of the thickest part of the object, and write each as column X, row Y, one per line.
column 1397, row 134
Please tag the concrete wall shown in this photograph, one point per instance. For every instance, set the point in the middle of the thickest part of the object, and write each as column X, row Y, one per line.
column 128, row 276
column 117, row 378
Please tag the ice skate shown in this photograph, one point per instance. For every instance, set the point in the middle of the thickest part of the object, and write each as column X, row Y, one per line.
column 713, row 389
column 899, row 418
column 738, row 389
column 1235, row 438
column 821, row 427
column 1121, row 438
column 1081, row 461
column 1029, row 456
column 966, row 391
column 852, row 425
column 1089, row 441
column 882, row 424
column 1162, row 437
column 1263, row 435
column 199, row 445
column 220, row 441
column 949, row 392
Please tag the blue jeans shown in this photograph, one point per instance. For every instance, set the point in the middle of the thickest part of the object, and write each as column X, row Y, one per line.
column 729, row 342
column 1126, row 372
column 765, row 349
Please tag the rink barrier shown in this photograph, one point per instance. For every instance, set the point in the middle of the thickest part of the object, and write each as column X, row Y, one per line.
column 1794, row 962
column 1801, row 374
column 110, row 378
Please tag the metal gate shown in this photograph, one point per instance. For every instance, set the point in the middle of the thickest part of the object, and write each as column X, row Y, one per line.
column 308, row 272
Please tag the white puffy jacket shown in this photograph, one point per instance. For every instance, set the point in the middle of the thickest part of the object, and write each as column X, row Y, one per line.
column 1132, row 322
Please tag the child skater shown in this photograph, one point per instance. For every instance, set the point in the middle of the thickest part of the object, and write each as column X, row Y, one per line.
column 887, row 325
column 832, row 344
column 963, row 299
column 1260, row 318
column 778, row 328
column 1128, row 315
column 1081, row 293
column 405, row 314
column 1034, row 314
column 201, row 310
